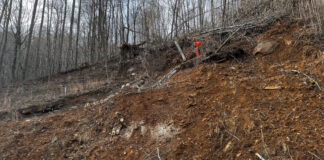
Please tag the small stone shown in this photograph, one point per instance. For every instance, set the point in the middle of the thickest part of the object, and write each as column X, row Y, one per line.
column 193, row 95
column 288, row 139
column 117, row 132
column 54, row 140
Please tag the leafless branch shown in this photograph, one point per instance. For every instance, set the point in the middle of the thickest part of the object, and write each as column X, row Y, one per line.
column 233, row 135
column 291, row 112
column 158, row 153
column 259, row 156
column 309, row 78
column 320, row 111
column 315, row 155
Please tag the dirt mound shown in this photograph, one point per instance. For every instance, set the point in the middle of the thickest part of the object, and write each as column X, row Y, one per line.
column 233, row 110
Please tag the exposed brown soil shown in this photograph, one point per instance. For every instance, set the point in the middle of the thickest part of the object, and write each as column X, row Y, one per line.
column 232, row 110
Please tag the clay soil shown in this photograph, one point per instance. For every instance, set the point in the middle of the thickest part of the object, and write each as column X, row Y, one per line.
column 240, row 109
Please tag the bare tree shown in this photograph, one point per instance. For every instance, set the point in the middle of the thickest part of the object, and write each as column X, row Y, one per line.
column 3, row 10
column 40, row 36
column 70, row 51
column 212, row 13
column 62, row 38
column 31, row 29
column 128, row 21
column 78, row 34
column 201, row 11
column 50, row 47
column 4, row 47
column 224, row 13
column 122, row 26
column 18, row 40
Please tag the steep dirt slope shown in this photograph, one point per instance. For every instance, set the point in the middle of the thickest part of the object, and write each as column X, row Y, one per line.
column 233, row 110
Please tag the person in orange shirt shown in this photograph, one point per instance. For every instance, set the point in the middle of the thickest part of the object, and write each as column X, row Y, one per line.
column 197, row 44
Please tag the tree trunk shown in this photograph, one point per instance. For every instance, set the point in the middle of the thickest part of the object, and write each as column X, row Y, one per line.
column 134, row 23
column 70, row 51
column 4, row 47
column 62, row 38
column 32, row 24
column 3, row 10
column 78, row 34
column 212, row 12
column 224, row 13
column 18, row 41
column 50, row 60
column 93, row 36
column 40, row 36
column 122, row 26
column 201, row 13
column 128, row 23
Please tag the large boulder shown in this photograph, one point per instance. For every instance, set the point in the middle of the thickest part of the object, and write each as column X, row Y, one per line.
column 265, row 47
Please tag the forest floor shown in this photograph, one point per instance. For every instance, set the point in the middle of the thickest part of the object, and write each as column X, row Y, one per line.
column 265, row 106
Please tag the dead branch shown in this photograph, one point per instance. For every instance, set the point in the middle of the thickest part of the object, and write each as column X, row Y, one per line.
column 191, row 62
column 315, row 155
column 148, row 155
column 144, row 34
column 248, row 25
column 229, row 37
column 312, row 80
column 259, row 156
column 291, row 112
column 158, row 153
column 180, row 51
column 166, row 77
column 319, row 110
column 233, row 135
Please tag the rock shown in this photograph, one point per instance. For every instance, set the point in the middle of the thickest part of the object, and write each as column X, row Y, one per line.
column 131, row 69
column 54, row 140
column 238, row 155
column 265, row 47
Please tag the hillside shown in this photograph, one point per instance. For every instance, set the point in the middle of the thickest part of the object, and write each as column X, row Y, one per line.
column 233, row 105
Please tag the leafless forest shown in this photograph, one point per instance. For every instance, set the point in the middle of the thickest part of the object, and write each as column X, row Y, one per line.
column 43, row 37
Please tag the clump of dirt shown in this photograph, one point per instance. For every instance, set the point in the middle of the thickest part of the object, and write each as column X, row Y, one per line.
column 232, row 110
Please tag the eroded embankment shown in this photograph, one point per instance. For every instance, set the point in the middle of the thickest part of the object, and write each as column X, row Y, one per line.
column 234, row 110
